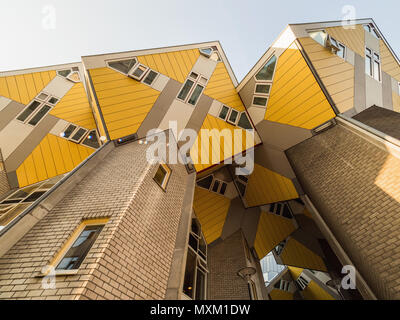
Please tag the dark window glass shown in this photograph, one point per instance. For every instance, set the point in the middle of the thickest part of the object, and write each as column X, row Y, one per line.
column 189, row 274
column 28, row 111
column 196, row 94
column 272, row 208
column 34, row 196
column 160, row 175
column 185, row 90
column 139, row 71
column 244, row 122
column 223, row 188
column 215, row 186
column 11, row 201
column 91, row 140
column 195, row 227
column 53, row 100
column 267, row 72
column 123, row 66
column 64, row 73
column 38, row 116
column 233, row 116
column 77, row 253
column 203, row 248
column 258, row 101
column 193, row 242
column 79, row 134
column 277, row 285
column 243, row 178
column 286, row 212
column 368, row 65
column 263, row 88
column 241, row 187
column 68, row 132
column 278, row 209
column 150, row 77
column 206, row 182
column 200, row 285
column 224, row 112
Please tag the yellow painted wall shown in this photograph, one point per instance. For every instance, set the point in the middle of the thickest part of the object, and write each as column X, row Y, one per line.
column 295, row 272
column 52, row 157
column 296, row 98
column 296, row 254
column 389, row 63
column 220, row 87
column 176, row 64
column 396, row 102
column 210, row 123
column 271, row 230
column 266, row 186
column 211, row 210
column 277, row 294
column 351, row 38
column 74, row 107
column 124, row 102
column 336, row 74
column 23, row 88
column 314, row 292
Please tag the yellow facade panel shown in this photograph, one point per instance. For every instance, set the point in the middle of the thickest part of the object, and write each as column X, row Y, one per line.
column 277, row 294
column 220, row 87
column 211, row 210
column 314, row 292
column 297, row 255
column 124, row 102
column 353, row 38
column 271, row 230
column 336, row 74
column 265, row 186
column 389, row 63
column 52, row 157
column 295, row 92
column 74, row 107
column 23, row 88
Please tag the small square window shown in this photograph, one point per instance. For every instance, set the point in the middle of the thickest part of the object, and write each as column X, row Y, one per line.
column 43, row 96
column 79, row 135
column 162, row 175
column 233, row 116
column 260, row 101
column 263, row 88
column 224, row 112
column 138, row 72
column 53, row 100
column 151, row 76
column 67, row 132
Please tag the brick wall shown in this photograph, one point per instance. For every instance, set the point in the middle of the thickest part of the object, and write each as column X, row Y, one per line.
column 225, row 259
column 384, row 120
column 355, row 185
column 132, row 256
column 4, row 185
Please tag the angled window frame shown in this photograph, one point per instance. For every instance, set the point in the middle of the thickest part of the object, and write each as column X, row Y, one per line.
column 266, row 97
column 148, row 74
column 122, row 59
column 167, row 175
column 375, row 58
column 227, row 113
column 262, row 81
column 136, row 67
column 196, row 78
column 70, row 242
column 228, row 119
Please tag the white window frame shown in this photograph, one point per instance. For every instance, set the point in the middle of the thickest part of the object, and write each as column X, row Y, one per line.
column 220, row 110
column 147, row 74
column 86, row 135
column 262, row 93
column 338, row 45
column 372, row 30
column 120, row 59
column 373, row 60
column 134, row 68
column 229, row 115
column 196, row 82
column 76, row 131
column 273, row 75
column 42, row 103
column 262, row 97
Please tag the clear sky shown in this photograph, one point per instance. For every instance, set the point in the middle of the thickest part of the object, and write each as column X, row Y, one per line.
column 45, row 32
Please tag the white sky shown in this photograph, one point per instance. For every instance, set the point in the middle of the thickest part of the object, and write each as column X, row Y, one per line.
column 245, row 27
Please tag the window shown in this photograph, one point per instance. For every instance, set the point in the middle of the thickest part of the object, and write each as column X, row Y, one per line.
column 260, row 101
column 371, row 29
column 224, row 112
column 279, row 248
column 195, row 280
column 233, row 116
column 267, row 72
column 39, row 115
column 37, row 109
column 28, row 110
column 206, row 52
column 320, row 36
column 123, row 66
column 138, row 72
column 151, row 76
column 91, row 140
column 67, row 132
column 64, row 73
column 241, row 184
column 372, row 64
column 162, row 175
column 78, row 246
column 341, row 49
column 302, row 283
column 244, row 121
column 282, row 285
column 78, row 135
column 263, row 88
column 281, row 209
column 205, row 182
column 193, row 88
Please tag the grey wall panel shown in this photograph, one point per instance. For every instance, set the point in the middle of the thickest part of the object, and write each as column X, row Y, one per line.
column 9, row 113
column 360, row 96
column 387, row 97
